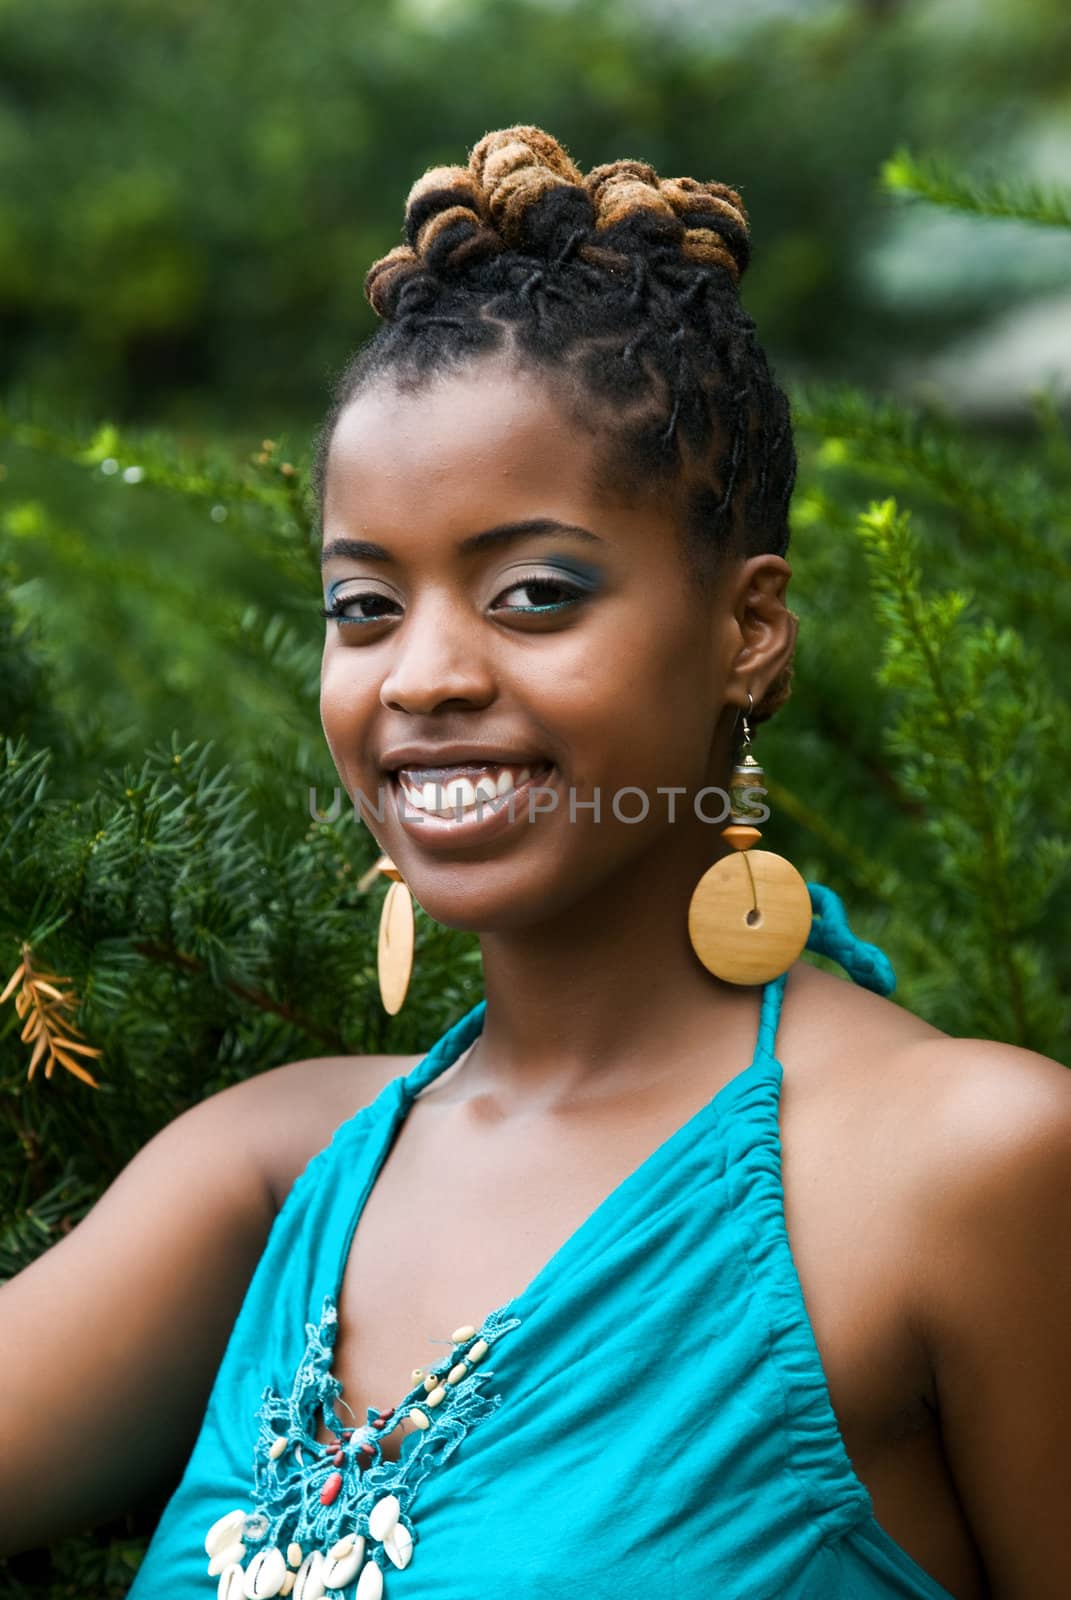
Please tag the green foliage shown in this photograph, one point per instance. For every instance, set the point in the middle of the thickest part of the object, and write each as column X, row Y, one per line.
column 942, row 184
column 190, row 194
column 981, row 741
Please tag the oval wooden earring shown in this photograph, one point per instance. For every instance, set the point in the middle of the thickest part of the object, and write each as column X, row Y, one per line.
column 396, row 938
column 750, row 913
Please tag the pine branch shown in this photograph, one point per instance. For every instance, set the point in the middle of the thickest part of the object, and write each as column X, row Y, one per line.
column 883, row 435
column 138, row 457
column 936, row 180
column 255, row 997
column 973, row 734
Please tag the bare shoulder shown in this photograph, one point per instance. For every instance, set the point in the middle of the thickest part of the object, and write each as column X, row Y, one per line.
column 991, row 1217
column 842, row 1034
column 997, row 1132
column 290, row 1112
column 966, row 1097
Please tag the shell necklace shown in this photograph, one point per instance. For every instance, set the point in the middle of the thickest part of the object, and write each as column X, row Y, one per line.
column 330, row 1515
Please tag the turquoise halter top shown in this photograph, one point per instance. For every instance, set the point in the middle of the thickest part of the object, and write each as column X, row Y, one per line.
column 649, row 1416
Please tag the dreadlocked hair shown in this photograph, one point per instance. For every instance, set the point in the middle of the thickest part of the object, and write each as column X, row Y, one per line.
column 618, row 287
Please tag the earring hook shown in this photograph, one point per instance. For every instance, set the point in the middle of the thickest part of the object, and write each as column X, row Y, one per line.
column 745, row 748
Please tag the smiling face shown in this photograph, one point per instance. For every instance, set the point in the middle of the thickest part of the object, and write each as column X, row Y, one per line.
column 496, row 614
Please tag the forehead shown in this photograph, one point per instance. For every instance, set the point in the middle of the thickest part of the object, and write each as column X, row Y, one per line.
column 483, row 438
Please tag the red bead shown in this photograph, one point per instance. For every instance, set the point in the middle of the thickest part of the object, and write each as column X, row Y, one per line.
column 386, row 1415
column 329, row 1492
column 379, row 1422
column 338, row 1458
column 366, row 1449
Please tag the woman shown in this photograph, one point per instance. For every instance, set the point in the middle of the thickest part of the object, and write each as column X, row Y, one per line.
column 524, row 1313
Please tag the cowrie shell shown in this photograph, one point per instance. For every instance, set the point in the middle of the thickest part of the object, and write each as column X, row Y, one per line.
column 342, row 1571
column 309, row 1583
column 370, row 1583
column 264, row 1575
column 227, row 1530
column 383, row 1517
column 230, row 1583
column 399, row 1546
column 226, row 1558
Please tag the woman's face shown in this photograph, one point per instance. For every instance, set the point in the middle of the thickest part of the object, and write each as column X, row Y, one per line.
column 496, row 616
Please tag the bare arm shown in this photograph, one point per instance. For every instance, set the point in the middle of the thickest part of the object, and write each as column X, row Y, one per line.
column 998, row 1307
column 110, row 1341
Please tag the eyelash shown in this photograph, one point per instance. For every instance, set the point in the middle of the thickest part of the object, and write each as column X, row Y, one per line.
column 336, row 611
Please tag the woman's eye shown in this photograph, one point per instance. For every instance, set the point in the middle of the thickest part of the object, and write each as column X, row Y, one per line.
column 343, row 607
column 545, row 594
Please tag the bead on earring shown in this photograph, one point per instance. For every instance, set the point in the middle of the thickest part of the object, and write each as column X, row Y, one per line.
column 750, row 913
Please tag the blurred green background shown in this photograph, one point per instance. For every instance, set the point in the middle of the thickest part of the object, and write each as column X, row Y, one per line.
column 190, row 195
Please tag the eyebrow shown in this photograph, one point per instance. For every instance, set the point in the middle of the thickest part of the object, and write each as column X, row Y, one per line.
column 502, row 533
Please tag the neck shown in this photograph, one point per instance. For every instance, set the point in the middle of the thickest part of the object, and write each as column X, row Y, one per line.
column 608, row 995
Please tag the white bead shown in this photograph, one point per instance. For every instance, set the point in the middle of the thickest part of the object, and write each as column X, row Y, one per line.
column 288, row 1583
column 420, row 1419
column 278, row 1447
column 338, row 1550
column 456, row 1374
column 399, row 1546
column 226, row 1558
column 459, row 1335
column 383, row 1517
column 370, row 1583
column 293, row 1555
column 224, row 1532
column 478, row 1351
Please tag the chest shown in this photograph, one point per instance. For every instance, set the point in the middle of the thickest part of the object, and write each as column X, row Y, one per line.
column 462, row 1217
column 460, row 1223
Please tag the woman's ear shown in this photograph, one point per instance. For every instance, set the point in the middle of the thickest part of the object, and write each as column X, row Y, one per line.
column 761, row 630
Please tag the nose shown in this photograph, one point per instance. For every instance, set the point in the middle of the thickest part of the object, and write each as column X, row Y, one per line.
column 437, row 658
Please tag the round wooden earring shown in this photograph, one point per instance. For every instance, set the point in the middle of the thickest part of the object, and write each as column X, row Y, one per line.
column 750, row 913
column 396, row 938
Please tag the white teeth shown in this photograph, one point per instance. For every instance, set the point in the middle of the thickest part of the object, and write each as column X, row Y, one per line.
column 460, row 795
column 460, row 792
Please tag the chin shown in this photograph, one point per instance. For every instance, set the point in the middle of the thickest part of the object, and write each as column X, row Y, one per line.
column 490, row 903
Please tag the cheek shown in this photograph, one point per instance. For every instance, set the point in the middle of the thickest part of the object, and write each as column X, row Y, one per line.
column 643, row 670
column 347, row 707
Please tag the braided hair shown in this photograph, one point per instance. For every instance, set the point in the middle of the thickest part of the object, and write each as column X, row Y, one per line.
column 619, row 288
